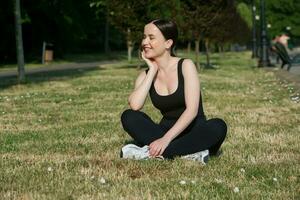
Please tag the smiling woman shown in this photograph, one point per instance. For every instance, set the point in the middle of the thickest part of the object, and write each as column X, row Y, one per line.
column 158, row 28
column 174, row 89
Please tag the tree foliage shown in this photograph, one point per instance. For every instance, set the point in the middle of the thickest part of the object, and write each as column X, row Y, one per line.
column 75, row 26
column 245, row 13
column 281, row 15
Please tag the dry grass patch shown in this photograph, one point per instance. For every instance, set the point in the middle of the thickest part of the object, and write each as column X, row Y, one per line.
column 61, row 135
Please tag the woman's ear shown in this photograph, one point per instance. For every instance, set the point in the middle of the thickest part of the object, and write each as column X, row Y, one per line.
column 169, row 43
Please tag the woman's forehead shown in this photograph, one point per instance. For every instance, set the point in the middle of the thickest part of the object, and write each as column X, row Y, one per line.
column 151, row 28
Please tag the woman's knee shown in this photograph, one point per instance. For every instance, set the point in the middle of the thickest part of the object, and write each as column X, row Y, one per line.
column 220, row 124
column 129, row 117
column 126, row 116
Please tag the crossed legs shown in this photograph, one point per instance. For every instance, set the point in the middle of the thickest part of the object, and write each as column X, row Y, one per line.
column 201, row 135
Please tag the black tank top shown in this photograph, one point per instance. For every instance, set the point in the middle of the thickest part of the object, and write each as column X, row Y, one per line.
column 172, row 106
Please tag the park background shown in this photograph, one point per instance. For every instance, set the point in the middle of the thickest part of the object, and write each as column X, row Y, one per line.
column 60, row 132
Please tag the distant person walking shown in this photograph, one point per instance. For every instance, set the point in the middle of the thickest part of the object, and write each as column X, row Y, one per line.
column 174, row 88
column 280, row 46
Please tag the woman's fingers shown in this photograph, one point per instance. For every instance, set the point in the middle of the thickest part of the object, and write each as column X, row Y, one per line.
column 155, row 151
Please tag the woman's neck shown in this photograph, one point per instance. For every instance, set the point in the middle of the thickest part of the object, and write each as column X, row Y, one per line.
column 165, row 61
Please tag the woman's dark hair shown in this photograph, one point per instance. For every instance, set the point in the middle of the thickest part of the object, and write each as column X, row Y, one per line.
column 169, row 31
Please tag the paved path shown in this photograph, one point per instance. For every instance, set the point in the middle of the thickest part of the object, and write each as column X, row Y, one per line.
column 293, row 76
column 57, row 67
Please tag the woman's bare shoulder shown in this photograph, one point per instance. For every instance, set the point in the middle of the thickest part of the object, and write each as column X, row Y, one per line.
column 188, row 62
column 188, row 67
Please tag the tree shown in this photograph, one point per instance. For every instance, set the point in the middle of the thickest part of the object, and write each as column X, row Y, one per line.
column 230, row 27
column 19, row 42
column 129, row 18
column 283, row 16
column 221, row 19
column 200, row 16
column 102, row 6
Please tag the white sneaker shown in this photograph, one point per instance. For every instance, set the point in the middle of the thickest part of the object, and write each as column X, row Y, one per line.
column 132, row 151
column 201, row 156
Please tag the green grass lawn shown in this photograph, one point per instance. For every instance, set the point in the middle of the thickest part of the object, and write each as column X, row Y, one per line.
column 60, row 138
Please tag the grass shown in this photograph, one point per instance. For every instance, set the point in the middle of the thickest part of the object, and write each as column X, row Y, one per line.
column 60, row 137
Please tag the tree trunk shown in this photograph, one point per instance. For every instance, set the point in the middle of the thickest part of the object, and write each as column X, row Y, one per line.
column 197, row 41
column 207, row 52
column 189, row 48
column 129, row 45
column 129, row 50
column 222, row 49
column 106, row 38
column 219, row 48
column 19, row 42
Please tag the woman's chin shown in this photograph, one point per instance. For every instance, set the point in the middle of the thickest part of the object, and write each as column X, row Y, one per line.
column 148, row 56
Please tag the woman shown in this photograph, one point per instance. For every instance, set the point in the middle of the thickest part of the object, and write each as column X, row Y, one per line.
column 174, row 89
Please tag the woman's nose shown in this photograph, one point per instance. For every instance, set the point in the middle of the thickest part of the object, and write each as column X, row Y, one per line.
column 144, row 41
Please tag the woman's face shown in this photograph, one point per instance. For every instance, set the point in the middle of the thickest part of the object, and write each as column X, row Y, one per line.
column 154, row 43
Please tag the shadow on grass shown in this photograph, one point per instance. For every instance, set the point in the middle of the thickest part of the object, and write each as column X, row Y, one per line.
column 133, row 66
column 44, row 76
column 213, row 66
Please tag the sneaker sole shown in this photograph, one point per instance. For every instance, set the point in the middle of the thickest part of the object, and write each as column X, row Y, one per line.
column 205, row 159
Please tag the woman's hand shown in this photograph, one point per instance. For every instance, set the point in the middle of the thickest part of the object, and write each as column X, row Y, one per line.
column 151, row 63
column 158, row 146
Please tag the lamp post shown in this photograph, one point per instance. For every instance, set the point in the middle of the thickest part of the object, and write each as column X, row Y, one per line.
column 264, row 56
column 254, row 47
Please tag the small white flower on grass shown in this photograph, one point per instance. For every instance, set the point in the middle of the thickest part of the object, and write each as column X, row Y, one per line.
column 182, row 182
column 242, row 170
column 3, row 112
column 49, row 169
column 193, row 182
column 275, row 179
column 236, row 190
column 295, row 98
column 40, row 120
column 92, row 177
column 218, row 180
column 102, row 180
column 70, row 99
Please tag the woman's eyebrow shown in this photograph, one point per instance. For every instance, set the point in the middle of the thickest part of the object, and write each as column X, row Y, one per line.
column 149, row 34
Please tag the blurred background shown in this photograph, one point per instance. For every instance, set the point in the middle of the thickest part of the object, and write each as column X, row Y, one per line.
column 73, row 27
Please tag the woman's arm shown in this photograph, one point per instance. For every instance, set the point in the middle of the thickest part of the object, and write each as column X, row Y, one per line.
column 192, row 95
column 143, row 83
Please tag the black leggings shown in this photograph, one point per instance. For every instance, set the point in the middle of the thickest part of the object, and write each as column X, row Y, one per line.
column 201, row 134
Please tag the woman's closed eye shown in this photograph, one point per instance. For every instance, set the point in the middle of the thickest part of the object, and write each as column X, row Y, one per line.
column 151, row 37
